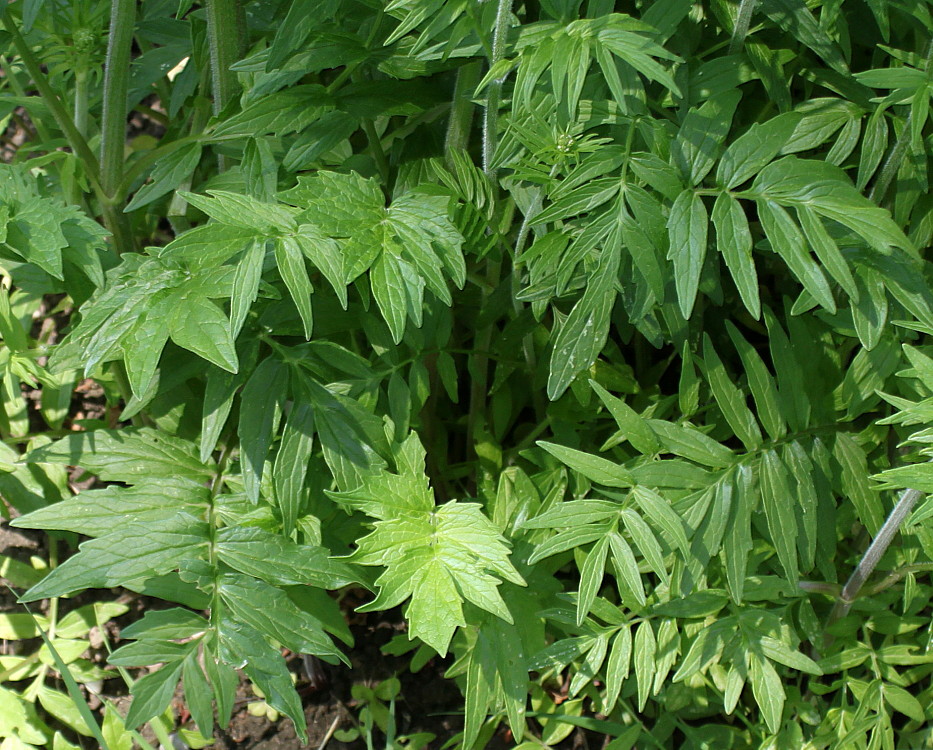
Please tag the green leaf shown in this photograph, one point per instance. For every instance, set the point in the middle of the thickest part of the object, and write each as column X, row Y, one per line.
column 591, row 577
column 594, row 468
column 795, row 18
column 730, row 399
column 244, row 211
column 291, row 464
column 628, row 577
column 768, row 690
column 826, row 190
column 778, row 505
column 280, row 113
column 633, row 428
column 197, row 324
column 198, row 695
column 261, row 408
column 132, row 552
column 325, row 254
column 241, row 644
column 701, row 136
column 290, row 261
column 734, row 241
column 279, row 561
column 644, row 651
column 787, row 241
column 271, row 612
column 437, row 557
column 755, row 148
column 688, row 226
column 246, row 281
column 167, row 175
column 584, row 332
column 128, row 455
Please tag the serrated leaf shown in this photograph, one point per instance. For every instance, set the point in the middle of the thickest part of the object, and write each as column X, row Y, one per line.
column 271, row 612
column 260, row 409
column 788, row 241
column 132, row 552
column 688, row 227
column 291, row 463
column 584, row 332
column 734, row 241
column 198, row 325
column 594, row 468
column 701, row 135
column 167, row 175
column 644, row 651
column 730, row 399
column 290, row 261
column 754, row 149
column 246, row 281
column 279, row 561
column 778, row 506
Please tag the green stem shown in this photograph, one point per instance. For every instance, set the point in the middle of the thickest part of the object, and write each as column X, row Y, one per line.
column 223, row 37
column 742, row 23
column 81, row 106
column 461, row 109
column 116, row 87
column 379, row 154
column 494, row 91
column 113, row 121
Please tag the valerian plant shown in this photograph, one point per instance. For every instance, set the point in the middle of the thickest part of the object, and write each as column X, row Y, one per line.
column 590, row 334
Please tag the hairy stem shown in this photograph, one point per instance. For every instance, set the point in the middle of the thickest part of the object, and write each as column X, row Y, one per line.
column 494, row 91
column 742, row 23
column 461, row 109
column 113, row 121
column 223, row 37
column 116, row 86
column 873, row 554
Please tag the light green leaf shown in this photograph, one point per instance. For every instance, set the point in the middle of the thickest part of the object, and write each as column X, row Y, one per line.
column 197, row 324
column 594, row 468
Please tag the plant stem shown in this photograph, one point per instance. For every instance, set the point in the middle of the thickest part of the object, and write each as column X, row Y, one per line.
column 80, row 115
column 873, row 554
column 461, row 109
column 113, row 122
column 116, row 86
column 742, row 23
column 223, row 37
column 494, row 91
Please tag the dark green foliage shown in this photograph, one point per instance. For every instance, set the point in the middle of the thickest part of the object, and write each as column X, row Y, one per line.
column 598, row 331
